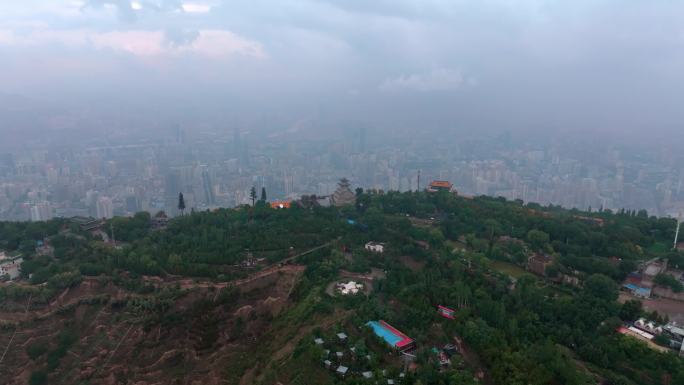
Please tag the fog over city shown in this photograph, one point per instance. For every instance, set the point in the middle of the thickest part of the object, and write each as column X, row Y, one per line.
column 108, row 107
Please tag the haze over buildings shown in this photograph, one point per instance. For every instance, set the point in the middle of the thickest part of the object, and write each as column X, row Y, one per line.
column 110, row 107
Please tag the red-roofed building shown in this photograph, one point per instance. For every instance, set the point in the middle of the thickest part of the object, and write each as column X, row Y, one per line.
column 440, row 185
column 406, row 343
column 446, row 312
column 281, row 204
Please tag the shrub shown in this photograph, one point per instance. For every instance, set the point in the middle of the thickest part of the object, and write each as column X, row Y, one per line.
column 36, row 350
column 38, row 377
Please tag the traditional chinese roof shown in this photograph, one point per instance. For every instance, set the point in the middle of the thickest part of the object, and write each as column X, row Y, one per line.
column 281, row 204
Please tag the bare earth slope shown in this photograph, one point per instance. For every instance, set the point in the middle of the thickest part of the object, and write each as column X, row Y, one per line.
column 180, row 333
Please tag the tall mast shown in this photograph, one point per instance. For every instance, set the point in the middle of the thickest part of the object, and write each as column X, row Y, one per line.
column 679, row 223
column 111, row 227
column 418, row 183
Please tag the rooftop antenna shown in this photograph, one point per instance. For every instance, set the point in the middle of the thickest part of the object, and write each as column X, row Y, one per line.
column 679, row 223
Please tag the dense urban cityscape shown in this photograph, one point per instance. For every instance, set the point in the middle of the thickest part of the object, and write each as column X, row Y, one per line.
column 219, row 169
column 298, row 192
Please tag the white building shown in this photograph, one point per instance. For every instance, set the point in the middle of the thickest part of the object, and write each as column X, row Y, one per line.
column 342, row 370
column 648, row 326
column 351, row 287
column 10, row 266
column 41, row 212
column 375, row 247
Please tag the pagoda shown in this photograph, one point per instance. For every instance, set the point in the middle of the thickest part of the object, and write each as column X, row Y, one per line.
column 343, row 195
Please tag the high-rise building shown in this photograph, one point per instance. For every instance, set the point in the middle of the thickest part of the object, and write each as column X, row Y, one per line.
column 180, row 134
column 41, row 212
column 132, row 204
column 173, row 183
column 288, row 184
column 208, row 188
column 237, row 147
column 361, row 144
column 105, row 207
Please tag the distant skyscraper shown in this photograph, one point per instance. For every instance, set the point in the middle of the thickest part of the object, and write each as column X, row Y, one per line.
column 41, row 212
column 208, row 188
column 173, row 183
column 132, row 204
column 180, row 134
column 362, row 139
column 288, row 184
column 105, row 208
column 237, row 146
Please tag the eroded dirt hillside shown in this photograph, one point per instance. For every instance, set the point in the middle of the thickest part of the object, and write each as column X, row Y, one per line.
column 180, row 332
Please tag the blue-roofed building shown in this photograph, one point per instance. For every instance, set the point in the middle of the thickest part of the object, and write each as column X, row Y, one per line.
column 392, row 336
column 638, row 291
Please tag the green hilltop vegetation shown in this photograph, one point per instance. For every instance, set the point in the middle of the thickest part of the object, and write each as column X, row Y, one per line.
column 440, row 249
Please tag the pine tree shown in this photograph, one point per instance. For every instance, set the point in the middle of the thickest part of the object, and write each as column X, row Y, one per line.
column 252, row 194
column 263, row 194
column 181, row 203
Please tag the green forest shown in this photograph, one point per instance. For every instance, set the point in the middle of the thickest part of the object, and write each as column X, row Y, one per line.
column 525, row 329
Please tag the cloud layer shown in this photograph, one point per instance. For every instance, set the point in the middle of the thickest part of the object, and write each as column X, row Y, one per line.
column 211, row 43
column 437, row 80
column 605, row 64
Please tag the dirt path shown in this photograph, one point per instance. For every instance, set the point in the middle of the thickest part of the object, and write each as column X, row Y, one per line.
column 673, row 308
column 374, row 274
column 282, row 265
column 16, row 329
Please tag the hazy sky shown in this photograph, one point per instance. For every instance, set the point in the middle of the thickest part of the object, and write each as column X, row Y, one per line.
column 616, row 65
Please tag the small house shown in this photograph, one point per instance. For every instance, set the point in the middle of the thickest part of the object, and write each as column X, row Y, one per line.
column 342, row 370
column 367, row 375
column 327, row 364
column 375, row 247
column 538, row 263
column 342, row 337
column 319, row 341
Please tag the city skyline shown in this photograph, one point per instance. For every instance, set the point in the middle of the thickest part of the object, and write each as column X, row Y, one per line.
column 134, row 101
column 104, row 181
